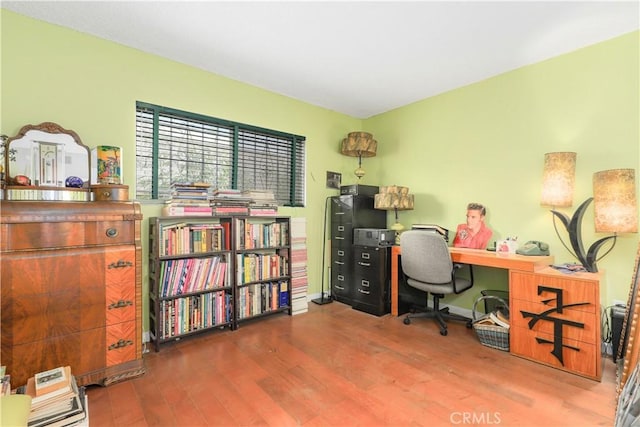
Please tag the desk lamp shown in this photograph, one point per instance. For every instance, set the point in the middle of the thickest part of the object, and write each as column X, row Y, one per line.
column 394, row 198
column 615, row 196
column 359, row 144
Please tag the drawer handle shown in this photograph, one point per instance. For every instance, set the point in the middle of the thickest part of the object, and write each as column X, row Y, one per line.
column 363, row 292
column 365, row 255
column 365, row 283
column 121, row 343
column 339, row 287
column 341, row 228
column 340, row 277
column 111, row 232
column 120, row 304
column 340, row 213
column 120, row 264
column 339, row 262
column 364, row 264
column 339, row 238
column 340, row 253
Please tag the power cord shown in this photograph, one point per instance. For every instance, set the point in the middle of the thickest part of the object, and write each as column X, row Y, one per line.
column 607, row 332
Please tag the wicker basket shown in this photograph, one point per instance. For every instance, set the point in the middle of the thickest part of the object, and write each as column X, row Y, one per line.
column 493, row 336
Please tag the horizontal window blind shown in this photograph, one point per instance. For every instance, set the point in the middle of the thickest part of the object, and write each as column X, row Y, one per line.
column 175, row 146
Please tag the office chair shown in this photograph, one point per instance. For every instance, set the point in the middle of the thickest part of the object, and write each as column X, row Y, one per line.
column 427, row 266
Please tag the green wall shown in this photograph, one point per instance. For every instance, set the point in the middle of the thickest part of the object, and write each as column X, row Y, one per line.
column 486, row 142
column 483, row 142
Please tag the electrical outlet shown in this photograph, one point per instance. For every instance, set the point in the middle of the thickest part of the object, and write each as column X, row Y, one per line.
column 619, row 302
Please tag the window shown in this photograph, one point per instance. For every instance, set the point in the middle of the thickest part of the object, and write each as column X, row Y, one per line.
column 177, row 146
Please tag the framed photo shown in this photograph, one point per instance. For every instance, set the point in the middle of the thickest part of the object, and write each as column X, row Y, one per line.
column 334, row 179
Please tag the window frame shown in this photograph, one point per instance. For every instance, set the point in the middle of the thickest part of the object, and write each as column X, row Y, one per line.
column 291, row 143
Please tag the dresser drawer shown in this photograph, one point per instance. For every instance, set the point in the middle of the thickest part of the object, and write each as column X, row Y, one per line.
column 567, row 291
column 577, row 356
column 572, row 324
column 83, row 351
column 120, row 342
column 46, row 235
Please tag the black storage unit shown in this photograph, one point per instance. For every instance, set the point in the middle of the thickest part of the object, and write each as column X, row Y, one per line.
column 371, row 279
column 347, row 213
column 617, row 320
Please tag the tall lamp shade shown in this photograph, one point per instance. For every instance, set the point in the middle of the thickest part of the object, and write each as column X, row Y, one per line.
column 558, row 179
column 394, row 198
column 614, row 198
column 359, row 144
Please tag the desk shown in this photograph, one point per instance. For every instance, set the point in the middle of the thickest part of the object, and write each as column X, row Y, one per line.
column 566, row 309
column 511, row 262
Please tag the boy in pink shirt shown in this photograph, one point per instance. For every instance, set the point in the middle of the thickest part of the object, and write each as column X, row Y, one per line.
column 474, row 233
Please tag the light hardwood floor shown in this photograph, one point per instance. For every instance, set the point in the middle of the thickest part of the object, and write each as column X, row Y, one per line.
column 335, row 366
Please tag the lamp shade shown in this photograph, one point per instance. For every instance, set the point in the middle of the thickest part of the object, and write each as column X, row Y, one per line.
column 615, row 205
column 558, row 179
column 359, row 144
column 393, row 198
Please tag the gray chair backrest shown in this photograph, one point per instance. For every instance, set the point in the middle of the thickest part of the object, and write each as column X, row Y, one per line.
column 426, row 257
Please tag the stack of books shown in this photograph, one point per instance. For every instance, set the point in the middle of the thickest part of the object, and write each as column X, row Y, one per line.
column 188, row 199
column 262, row 202
column 56, row 399
column 497, row 318
column 299, row 282
column 229, row 202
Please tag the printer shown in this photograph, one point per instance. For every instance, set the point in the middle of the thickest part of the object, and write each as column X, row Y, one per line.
column 377, row 237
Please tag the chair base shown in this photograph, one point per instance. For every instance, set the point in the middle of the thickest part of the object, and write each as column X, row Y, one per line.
column 439, row 314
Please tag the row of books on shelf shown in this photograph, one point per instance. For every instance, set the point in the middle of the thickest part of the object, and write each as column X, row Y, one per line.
column 56, row 399
column 253, row 235
column 183, row 315
column 262, row 297
column 253, row 267
column 187, row 275
column 188, row 238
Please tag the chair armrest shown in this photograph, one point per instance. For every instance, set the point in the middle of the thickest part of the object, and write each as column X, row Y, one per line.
column 456, row 268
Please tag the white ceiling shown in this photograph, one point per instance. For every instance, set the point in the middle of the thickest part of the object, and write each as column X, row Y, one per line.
column 358, row 58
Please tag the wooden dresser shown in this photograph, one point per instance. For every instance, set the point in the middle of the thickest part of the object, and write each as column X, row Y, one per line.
column 71, row 283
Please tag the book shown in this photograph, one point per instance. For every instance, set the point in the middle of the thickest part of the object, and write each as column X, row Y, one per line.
column 499, row 318
column 53, row 380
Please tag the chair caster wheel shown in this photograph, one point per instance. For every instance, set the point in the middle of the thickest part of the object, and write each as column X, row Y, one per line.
column 444, row 332
column 469, row 324
column 406, row 321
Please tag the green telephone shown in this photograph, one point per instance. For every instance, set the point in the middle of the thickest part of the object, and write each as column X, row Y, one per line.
column 533, row 247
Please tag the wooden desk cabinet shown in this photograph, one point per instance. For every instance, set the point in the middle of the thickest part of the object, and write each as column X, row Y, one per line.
column 71, row 289
column 555, row 320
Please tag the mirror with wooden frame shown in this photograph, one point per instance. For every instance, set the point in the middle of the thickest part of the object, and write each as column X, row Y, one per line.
column 47, row 162
column 630, row 330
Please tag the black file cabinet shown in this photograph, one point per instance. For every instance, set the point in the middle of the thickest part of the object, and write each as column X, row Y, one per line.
column 371, row 280
column 349, row 212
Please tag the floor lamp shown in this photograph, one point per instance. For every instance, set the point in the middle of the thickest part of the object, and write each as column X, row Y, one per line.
column 322, row 300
